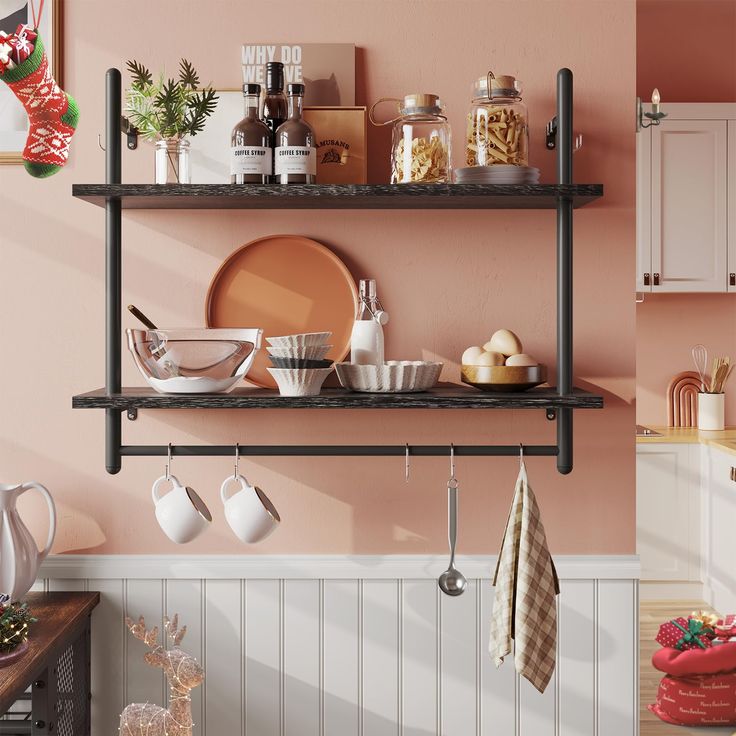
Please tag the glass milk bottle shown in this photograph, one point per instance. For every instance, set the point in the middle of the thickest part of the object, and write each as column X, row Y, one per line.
column 251, row 157
column 366, row 342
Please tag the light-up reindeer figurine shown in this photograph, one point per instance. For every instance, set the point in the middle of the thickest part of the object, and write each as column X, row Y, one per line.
column 182, row 671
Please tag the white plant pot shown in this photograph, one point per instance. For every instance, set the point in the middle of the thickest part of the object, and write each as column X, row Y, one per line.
column 711, row 411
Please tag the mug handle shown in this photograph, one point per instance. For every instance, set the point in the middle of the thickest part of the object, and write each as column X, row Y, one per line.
column 52, row 514
column 157, row 483
column 223, row 488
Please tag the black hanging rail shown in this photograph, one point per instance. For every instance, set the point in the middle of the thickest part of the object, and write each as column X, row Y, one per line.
column 558, row 402
column 335, row 450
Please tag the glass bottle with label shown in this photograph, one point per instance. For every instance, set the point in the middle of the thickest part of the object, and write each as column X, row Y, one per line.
column 251, row 156
column 295, row 149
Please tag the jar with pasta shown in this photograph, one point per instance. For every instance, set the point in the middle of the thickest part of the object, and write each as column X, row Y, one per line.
column 498, row 124
column 420, row 141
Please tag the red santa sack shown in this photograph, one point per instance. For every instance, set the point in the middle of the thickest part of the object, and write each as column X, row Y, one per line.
column 699, row 686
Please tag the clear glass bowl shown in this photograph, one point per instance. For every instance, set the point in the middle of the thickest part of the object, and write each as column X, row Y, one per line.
column 194, row 361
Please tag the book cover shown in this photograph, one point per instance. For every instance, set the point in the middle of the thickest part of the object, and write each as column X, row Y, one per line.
column 326, row 69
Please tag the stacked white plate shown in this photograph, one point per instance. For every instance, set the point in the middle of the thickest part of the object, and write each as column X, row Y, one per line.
column 497, row 174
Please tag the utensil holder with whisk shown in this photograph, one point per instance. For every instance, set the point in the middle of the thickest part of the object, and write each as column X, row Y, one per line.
column 711, row 411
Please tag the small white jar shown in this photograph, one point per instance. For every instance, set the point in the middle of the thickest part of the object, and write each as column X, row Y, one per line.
column 711, row 411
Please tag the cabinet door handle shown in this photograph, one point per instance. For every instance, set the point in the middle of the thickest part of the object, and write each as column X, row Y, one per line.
column 733, row 474
column 646, row 279
column 656, row 279
column 732, row 279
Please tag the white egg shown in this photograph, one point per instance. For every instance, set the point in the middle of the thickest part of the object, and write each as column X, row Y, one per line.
column 471, row 355
column 504, row 341
column 521, row 359
column 489, row 358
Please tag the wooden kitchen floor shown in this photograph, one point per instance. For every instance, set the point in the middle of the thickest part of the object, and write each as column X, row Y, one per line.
column 652, row 614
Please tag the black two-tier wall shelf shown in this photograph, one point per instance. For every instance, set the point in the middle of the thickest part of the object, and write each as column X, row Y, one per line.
column 558, row 402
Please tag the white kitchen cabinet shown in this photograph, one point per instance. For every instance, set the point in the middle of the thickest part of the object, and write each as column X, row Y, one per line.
column 644, row 210
column 668, row 500
column 686, row 195
column 732, row 205
column 720, row 531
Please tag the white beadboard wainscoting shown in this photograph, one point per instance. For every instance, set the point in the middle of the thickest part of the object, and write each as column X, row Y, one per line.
column 358, row 646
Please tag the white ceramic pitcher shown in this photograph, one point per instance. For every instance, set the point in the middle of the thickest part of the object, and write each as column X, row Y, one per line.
column 19, row 556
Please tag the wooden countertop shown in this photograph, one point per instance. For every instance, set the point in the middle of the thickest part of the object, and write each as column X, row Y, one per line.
column 724, row 439
column 61, row 618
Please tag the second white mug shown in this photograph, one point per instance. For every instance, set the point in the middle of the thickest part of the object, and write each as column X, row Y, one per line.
column 248, row 510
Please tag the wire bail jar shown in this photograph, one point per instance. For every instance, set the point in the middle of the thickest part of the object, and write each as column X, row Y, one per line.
column 420, row 140
column 498, row 123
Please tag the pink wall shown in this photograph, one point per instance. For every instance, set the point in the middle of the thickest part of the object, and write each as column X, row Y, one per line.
column 668, row 325
column 448, row 278
column 687, row 49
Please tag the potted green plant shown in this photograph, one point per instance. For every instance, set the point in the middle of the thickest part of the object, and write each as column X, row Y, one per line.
column 15, row 620
column 168, row 111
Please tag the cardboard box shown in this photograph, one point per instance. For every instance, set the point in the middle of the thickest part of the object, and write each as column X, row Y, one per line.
column 340, row 133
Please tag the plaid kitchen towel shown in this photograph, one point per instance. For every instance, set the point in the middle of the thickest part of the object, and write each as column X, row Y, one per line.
column 524, row 607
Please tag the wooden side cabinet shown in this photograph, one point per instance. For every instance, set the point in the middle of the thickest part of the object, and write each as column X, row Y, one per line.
column 47, row 692
column 668, row 511
column 686, row 174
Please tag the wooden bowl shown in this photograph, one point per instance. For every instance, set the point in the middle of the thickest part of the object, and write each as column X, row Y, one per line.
column 504, row 378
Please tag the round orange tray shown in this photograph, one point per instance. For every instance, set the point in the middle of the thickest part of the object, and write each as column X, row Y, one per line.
column 285, row 284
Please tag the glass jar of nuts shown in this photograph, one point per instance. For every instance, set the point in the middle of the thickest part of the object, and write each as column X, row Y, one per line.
column 420, row 141
column 498, row 124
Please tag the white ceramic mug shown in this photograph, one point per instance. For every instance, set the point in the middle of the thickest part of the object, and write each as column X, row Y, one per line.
column 248, row 511
column 181, row 513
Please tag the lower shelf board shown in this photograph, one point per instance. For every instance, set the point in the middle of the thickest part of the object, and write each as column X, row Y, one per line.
column 448, row 396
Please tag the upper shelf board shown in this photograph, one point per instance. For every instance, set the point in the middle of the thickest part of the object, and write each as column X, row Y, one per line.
column 338, row 196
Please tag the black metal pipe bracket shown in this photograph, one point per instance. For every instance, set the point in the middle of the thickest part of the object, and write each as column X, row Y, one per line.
column 130, row 131
column 113, row 269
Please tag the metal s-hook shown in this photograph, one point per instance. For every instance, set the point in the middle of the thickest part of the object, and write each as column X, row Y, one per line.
column 237, row 460
column 130, row 132
column 168, row 463
column 406, row 464
column 452, row 483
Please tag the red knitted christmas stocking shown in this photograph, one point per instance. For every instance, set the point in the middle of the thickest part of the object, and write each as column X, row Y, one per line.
column 52, row 114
